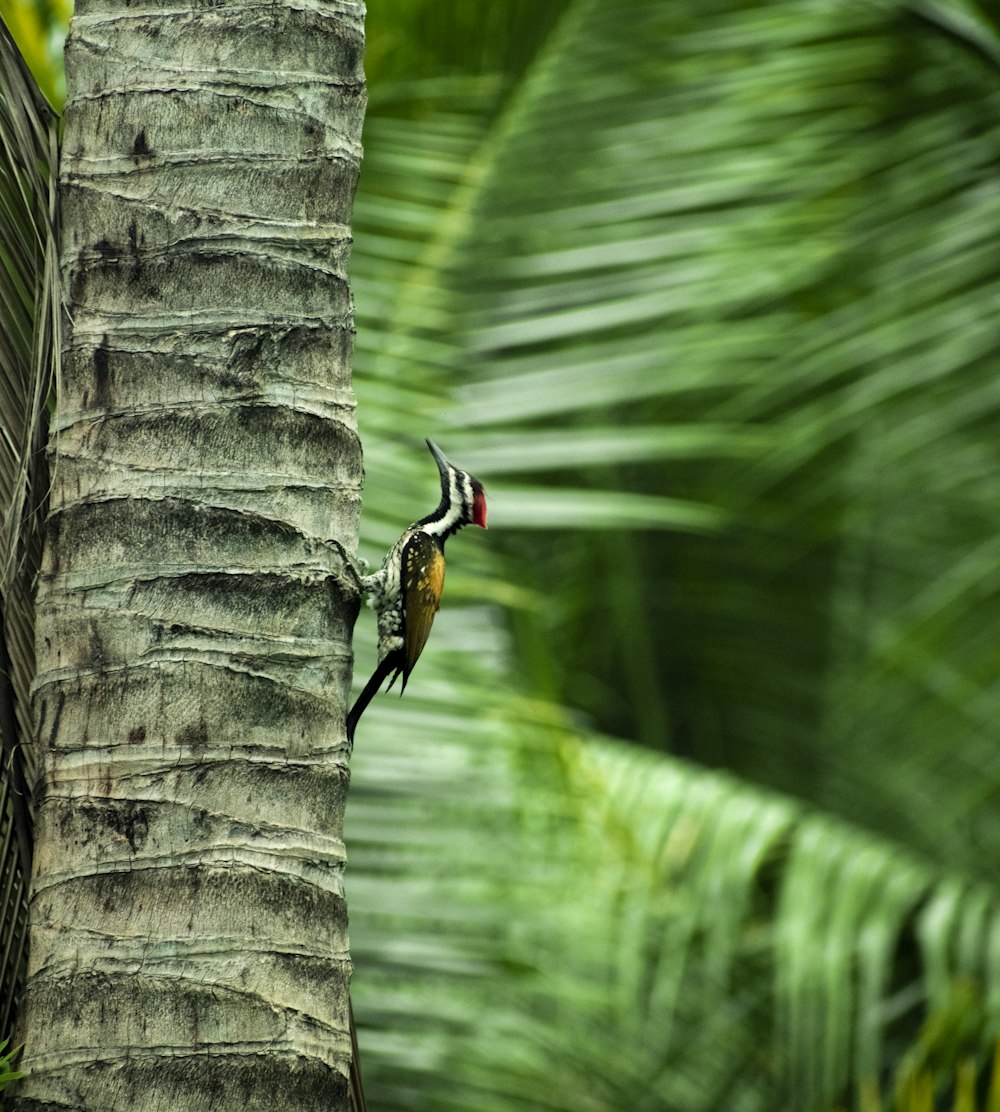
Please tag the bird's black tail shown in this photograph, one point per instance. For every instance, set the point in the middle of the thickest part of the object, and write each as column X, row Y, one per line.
column 390, row 664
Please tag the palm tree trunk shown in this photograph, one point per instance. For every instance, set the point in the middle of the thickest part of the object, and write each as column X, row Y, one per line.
column 196, row 599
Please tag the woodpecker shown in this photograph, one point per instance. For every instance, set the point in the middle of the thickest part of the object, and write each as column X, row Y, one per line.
column 405, row 592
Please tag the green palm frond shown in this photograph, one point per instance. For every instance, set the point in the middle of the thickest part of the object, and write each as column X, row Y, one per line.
column 970, row 21
column 540, row 921
column 776, row 219
column 29, row 350
column 734, row 258
column 27, row 207
column 30, row 309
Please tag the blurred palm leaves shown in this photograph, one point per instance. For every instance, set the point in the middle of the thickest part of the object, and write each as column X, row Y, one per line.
column 720, row 279
column 705, row 292
column 766, row 217
column 39, row 29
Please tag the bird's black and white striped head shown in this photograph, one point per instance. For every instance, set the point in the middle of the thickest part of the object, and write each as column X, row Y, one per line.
column 463, row 500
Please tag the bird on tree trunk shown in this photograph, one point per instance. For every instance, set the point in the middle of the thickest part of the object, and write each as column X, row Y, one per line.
column 405, row 592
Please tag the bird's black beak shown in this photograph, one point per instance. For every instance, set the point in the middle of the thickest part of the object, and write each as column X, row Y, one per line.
column 438, row 458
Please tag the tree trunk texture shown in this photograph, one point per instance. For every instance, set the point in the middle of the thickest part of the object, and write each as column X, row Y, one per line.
column 188, row 942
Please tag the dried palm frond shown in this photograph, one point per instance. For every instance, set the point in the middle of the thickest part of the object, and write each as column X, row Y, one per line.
column 29, row 349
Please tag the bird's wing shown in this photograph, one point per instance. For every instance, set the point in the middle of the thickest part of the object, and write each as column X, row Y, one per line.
column 423, row 582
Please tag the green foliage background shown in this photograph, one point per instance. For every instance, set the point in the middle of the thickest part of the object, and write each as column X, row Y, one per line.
column 706, row 293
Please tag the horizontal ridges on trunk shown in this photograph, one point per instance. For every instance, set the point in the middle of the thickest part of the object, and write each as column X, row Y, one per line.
column 146, row 601
column 189, row 940
column 208, row 1079
column 208, row 170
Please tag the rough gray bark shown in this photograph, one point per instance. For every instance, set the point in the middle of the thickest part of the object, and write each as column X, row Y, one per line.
column 188, row 940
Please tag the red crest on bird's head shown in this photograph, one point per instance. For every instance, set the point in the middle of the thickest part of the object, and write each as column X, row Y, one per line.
column 463, row 500
column 478, row 504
